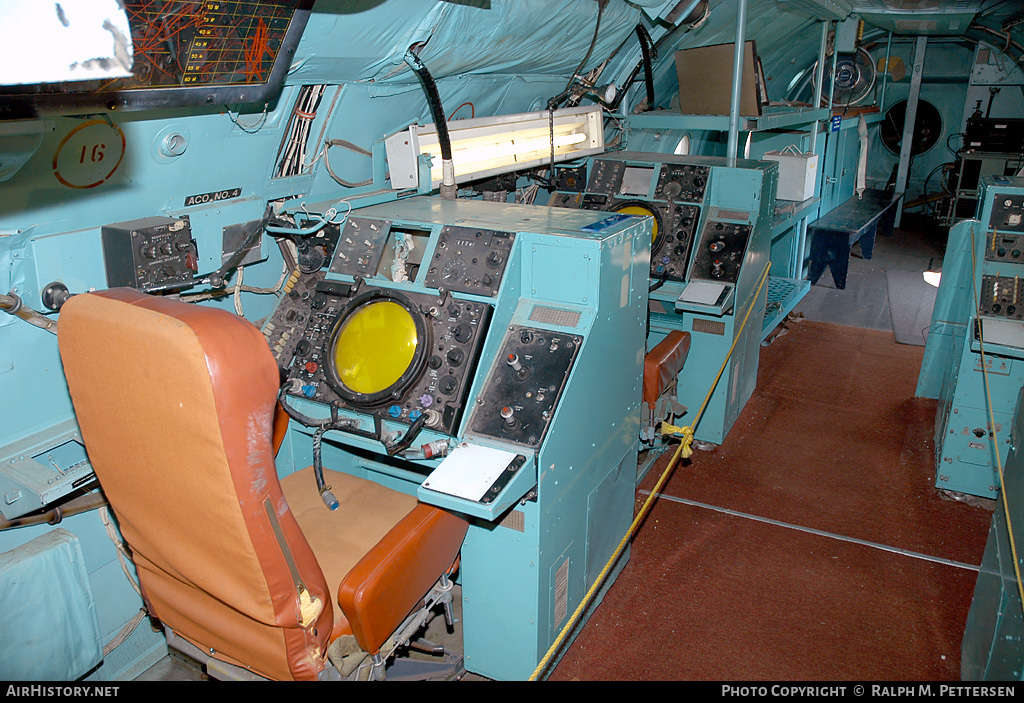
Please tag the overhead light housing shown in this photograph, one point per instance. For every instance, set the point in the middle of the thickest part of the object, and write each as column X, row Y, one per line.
column 488, row 146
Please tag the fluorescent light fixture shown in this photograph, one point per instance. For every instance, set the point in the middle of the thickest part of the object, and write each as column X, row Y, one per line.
column 932, row 278
column 488, row 146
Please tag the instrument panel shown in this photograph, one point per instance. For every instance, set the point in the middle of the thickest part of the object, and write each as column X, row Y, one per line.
column 470, row 260
column 366, row 336
column 673, row 200
column 519, row 396
column 398, row 355
column 720, row 254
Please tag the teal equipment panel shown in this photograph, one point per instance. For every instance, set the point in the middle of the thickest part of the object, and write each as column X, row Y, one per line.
column 711, row 242
column 487, row 358
column 991, row 648
column 974, row 356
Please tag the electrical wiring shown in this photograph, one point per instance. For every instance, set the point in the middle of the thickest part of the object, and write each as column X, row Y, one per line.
column 292, row 161
column 249, row 128
column 351, row 147
column 237, row 294
column 472, row 110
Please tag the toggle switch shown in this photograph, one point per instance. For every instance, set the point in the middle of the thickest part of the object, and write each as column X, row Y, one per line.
column 508, row 415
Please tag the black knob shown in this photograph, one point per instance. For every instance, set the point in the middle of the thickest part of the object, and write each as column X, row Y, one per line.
column 448, row 385
column 456, row 356
column 462, row 333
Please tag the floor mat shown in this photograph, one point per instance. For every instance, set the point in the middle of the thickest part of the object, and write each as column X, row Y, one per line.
column 810, row 545
column 911, row 301
column 834, row 439
column 707, row 596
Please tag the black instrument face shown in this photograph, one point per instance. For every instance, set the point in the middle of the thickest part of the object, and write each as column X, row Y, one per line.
column 684, row 182
column 360, row 247
column 1007, row 213
column 302, row 331
column 676, row 182
column 151, row 254
column 671, row 250
column 470, row 260
column 1002, row 296
column 524, row 384
column 1005, row 246
column 616, row 186
column 720, row 253
column 675, row 224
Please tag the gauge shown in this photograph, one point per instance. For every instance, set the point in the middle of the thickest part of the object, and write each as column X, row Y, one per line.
column 453, row 271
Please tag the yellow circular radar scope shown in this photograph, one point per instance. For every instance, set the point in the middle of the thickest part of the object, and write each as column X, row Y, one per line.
column 642, row 209
column 376, row 349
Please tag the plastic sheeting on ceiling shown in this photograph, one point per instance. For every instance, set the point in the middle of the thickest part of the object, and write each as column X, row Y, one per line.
column 521, row 37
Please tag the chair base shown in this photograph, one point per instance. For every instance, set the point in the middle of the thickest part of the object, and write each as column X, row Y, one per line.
column 386, row 665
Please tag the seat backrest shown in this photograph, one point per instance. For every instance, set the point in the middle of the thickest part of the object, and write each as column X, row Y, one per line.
column 663, row 363
column 175, row 403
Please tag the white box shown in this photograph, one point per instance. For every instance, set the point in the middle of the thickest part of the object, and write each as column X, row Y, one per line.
column 798, row 173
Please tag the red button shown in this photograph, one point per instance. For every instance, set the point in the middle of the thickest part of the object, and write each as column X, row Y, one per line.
column 311, row 366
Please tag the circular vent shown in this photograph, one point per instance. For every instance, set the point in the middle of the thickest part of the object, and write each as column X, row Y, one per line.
column 927, row 127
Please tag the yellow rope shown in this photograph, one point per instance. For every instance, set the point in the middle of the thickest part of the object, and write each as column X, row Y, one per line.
column 992, row 422
column 683, row 450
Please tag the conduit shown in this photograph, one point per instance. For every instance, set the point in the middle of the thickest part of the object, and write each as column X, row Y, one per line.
column 449, row 191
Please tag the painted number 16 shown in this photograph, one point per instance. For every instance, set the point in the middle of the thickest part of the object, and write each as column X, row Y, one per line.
column 95, row 155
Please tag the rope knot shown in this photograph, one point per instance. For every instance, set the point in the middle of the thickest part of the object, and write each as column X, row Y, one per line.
column 686, row 433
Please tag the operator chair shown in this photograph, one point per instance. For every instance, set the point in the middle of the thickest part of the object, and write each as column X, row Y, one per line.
column 176, row 406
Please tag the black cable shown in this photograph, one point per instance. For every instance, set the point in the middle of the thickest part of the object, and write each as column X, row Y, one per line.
column 217, row 278
column 645, row 48
column 437, row 112
column 593, row 41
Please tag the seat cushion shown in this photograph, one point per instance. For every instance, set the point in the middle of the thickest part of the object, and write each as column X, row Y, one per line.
column 380, row 551
column 366, row 512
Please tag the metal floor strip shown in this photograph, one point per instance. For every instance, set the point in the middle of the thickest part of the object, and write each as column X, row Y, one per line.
column 820, row 533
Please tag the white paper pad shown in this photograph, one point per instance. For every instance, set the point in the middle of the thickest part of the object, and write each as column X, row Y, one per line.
column 701, row 293
column 469, row 471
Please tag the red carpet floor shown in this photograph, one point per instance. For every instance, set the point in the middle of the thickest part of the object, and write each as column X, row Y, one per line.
column 833, row 441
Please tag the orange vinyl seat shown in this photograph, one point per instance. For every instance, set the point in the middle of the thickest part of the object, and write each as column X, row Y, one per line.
column 176, row 407
column 663, row 363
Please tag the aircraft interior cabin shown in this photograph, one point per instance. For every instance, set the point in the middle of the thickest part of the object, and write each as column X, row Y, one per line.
column 512, row 340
